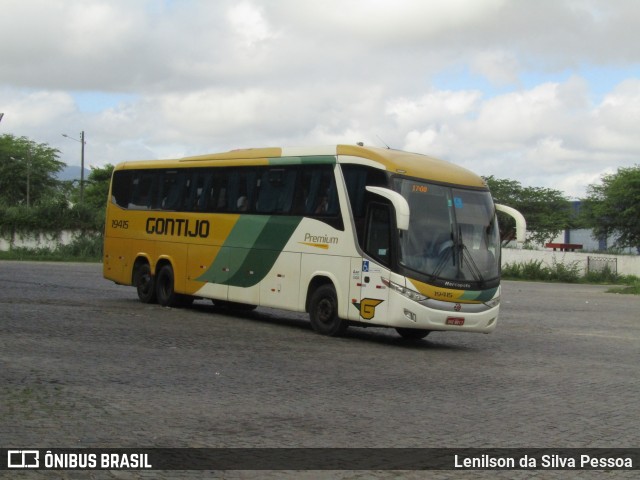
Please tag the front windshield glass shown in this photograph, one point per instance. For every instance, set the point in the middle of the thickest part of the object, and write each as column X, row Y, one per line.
column 452, row 233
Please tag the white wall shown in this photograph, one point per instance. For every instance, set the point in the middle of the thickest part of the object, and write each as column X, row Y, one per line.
column 626, row 264
column 41, row 240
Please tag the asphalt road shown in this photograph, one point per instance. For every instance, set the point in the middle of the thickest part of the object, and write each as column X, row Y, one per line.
column 84, row 364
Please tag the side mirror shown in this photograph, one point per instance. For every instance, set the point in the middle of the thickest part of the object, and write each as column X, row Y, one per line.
column 521, row 223
column 399, row 203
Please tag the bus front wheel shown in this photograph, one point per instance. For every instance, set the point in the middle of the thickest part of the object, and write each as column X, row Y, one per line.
column 144, row 283
column 323, row 312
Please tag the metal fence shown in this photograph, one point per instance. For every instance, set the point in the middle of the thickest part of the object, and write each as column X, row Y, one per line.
column 602, row 264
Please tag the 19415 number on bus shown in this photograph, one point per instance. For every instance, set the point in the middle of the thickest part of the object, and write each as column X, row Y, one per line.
column 120, row 224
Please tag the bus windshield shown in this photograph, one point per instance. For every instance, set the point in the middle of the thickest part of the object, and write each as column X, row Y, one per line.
column 453, row 234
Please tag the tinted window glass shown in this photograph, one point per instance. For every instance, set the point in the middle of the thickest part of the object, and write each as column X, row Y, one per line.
column 308, row 190
column 142, row 190
column 121, row 188
column 378, row 240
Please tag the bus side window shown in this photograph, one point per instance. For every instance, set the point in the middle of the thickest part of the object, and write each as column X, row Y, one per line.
column 357, row 177
column 300, row 192
column 121, row 188
column 172, row 190
column 319, row 193
column 143, row 190
column 378, row 236
column 316, row 195
column 241, row 190
column 276, row 190
column 219, row 191
column 201, row 194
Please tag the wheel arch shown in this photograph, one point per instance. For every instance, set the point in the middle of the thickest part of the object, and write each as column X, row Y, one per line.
column 162, row 261
column 140, row 260
column 325, row 278
column 316, row 282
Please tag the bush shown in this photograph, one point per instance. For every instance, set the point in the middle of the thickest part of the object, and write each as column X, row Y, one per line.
column 530, row 270
column 570, row 273
column 84, row 247
column 567, row 273
column 536, row 270
column 87, row 248
column 50, row 217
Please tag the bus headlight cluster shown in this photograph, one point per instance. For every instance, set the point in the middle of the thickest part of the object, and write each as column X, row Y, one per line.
column 410, row 294
column 494, row 302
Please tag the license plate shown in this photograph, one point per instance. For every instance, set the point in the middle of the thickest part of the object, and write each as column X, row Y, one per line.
column 455, row 321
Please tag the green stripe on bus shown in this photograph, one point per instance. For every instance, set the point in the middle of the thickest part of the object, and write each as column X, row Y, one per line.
column 251, row 249
column 479, row 295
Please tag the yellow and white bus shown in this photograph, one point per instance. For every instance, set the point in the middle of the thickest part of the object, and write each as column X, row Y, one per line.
column 350, row 234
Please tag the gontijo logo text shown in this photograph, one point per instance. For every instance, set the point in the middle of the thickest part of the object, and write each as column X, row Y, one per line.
column 178, row 226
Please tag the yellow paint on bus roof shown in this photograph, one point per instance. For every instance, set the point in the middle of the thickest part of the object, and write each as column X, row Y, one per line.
column 247, row 153
column 133, row 164
column 415, row 165
column 395, row 161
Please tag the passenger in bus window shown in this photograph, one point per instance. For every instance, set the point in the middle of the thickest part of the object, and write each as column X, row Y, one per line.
column 323, row 205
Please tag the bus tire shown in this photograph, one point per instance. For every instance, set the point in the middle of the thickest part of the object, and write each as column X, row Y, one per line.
column 323, row 312
column 165, row 292
column 412, row 333
column 145, row 284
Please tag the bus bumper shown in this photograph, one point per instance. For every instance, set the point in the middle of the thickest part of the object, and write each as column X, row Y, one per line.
column 443, row 316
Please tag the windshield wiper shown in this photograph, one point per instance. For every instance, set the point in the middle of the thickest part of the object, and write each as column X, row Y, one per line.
column 449, row 250
column 468, row 258
column 471, row 264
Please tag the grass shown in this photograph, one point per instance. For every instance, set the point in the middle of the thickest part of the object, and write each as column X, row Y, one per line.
column 536, row 270
column 633, row 289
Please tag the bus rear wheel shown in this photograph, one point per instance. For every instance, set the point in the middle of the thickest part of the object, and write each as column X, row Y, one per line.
column 165, row 292
column 412, row 333
column 144, row 283
column 323, row 312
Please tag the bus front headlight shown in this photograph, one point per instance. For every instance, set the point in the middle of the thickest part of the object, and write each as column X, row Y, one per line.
column 406, row 292
column 494, row 302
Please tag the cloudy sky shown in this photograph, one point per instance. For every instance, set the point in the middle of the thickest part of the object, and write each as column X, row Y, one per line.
column 545, row 92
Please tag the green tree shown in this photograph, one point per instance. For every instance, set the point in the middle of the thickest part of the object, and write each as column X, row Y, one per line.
column 97, row 188
column 27, row 171
column 613, row 207
column 546, row 210
column 93, row 209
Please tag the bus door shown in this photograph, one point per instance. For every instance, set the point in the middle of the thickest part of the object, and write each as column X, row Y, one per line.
column 374, row 294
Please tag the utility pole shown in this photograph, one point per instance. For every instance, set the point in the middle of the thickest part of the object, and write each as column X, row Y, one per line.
column 82, row 166
column 28, row 175
column 82, row 142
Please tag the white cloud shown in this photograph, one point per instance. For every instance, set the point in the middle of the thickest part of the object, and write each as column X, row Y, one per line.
column 206, row 76
column 249, row 24
column 432, row 108
column 498, row 66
